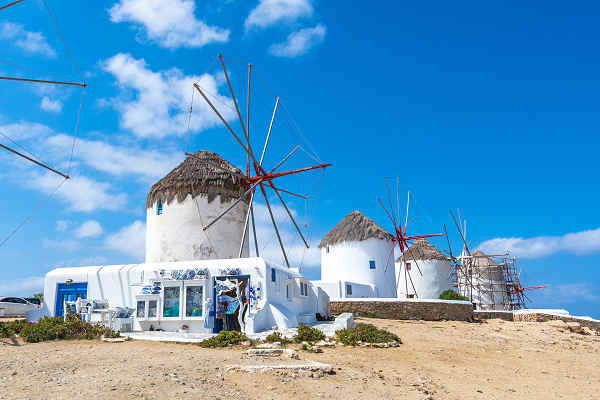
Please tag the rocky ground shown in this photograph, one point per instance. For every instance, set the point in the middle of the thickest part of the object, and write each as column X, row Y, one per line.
column 437, row 360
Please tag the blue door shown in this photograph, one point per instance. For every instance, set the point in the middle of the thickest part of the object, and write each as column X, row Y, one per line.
column 69, row 292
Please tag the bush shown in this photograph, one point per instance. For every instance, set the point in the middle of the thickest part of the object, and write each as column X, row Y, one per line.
column 8, row 329
column 224, row 339
column 277, row 337
column 308, row 334
column 365, row 333
column 367, row 315
column 452, row 295
column 55, row 328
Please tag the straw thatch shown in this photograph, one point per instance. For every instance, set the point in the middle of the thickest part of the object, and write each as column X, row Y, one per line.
column 421, row 249
column 198, row 177
column 355, row 227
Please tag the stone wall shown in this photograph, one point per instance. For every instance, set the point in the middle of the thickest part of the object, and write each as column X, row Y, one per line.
column 485, row 314
column 406, row 309
column 541, row 317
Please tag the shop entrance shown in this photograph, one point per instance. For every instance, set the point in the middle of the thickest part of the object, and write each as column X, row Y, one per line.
column 230, row 296
column 68, row 292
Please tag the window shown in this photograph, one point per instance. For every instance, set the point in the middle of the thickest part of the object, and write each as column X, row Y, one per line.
column 348, row 290
column 288, row 290
column 193, row 301
column 141, row 309
column 159, row 209
column 273, row 275
column 408, row 266
column 303, row 289
column 152, row 306
column 327, row 249
column 171, row 303
column 372, row 264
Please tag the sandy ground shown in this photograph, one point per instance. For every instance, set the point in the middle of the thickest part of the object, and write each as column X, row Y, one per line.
column 438, row 360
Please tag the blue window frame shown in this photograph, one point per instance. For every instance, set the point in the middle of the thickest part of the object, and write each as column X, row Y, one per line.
column 273, row 275
column 159, row 209
column 372, row 264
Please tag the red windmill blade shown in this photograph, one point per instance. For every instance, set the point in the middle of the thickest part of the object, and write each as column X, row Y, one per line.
column 260, row 178
column 400, row 236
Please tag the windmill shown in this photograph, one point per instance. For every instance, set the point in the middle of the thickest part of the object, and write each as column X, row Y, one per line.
column 401, row 238
column 256, row 175
column 23, row 152
column 496, row 278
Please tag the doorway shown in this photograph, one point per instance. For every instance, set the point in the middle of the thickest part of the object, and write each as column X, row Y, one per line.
column 68, row 292
column 227, row 305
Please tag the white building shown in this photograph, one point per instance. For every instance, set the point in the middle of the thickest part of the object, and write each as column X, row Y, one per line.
column 184, row 201
column 193, row 296
column 357, row 259
column 422, row 272
column 192, row 281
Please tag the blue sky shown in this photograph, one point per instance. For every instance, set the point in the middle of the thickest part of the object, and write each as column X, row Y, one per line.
column 490, row 108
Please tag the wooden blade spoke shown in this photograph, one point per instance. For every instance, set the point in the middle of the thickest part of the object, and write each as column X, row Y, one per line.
column 290, row 215
column 235, row 203
column 284, row 159
column 35, row 161
column 274, row 224
column 7, row 78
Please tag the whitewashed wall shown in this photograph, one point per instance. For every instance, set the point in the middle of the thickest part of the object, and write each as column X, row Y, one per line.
column 435, row 278
column 119, row 285
column 338, row 290
column 177, row 235
column 349, row 261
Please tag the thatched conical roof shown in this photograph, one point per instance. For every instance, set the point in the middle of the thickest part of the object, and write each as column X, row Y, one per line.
column 355, row 227
column 421, row 249
column 198, row 176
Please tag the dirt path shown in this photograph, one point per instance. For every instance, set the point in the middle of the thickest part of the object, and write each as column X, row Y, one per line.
column 438, row 360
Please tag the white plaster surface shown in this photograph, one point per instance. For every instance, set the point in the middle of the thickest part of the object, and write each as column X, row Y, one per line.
column 434, row 280
column 349, row 262
column 177, row 234
column 121, row 284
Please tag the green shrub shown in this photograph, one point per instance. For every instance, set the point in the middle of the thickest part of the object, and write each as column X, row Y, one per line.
column 277, row 337
column 308, row 334
column 365, row 333
column 55, row 328
column 452, row 295
column 224, row 339
column 8, row 329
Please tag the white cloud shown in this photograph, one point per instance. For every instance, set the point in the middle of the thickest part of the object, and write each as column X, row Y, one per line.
column 88, row 229
column 24, row 287
column 583, row 242
column 25, row 130
column 54, row 106
column 62, row 225
column 298, row 43
column 31, row 42
column 160, row 105
column 269, row 12
column 63, row 245
column 130, row 240
column 170, row 23
column 81, row 193
column 118, row 160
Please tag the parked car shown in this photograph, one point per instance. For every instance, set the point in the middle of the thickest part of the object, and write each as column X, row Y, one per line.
column 14, row 306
